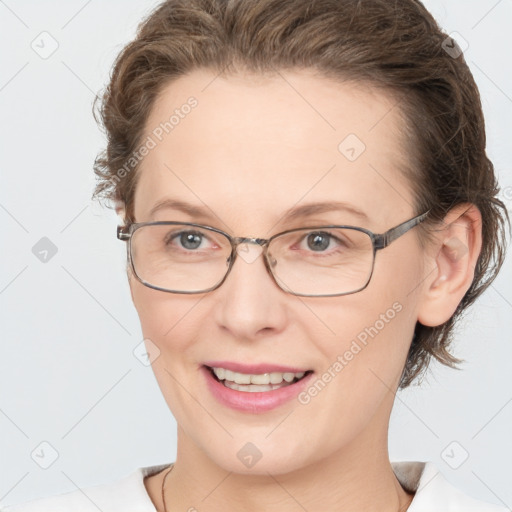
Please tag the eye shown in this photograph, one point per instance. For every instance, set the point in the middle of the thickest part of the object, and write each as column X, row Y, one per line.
column 320, row 241
column 188, row 240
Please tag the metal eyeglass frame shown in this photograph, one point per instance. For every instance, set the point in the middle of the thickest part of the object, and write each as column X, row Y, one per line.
column 379, row 241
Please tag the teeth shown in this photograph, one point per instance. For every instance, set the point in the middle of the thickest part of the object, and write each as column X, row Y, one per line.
column 263, row 379
column 253, row 387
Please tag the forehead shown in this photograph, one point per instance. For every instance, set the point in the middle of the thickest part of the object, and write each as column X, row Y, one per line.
column 254, row 145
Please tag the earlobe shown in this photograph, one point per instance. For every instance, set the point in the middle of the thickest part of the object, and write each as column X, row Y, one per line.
column 456, row 250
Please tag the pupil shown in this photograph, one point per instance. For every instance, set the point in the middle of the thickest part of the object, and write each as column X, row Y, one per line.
column 318, row 241
column 190, row 240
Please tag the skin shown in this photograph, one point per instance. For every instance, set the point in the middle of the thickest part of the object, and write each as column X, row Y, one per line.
column 253, row 148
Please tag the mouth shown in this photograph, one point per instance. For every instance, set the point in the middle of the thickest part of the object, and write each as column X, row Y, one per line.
column 255, row 382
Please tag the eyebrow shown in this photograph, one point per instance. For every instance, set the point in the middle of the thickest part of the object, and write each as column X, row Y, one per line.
column 297, row 212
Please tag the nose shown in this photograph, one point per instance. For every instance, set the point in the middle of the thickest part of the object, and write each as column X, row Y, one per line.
column 249, row 302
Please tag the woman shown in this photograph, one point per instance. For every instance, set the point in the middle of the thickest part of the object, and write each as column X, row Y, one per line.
column 308, row 208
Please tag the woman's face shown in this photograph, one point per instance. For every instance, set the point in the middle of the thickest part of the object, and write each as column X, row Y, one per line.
column 247, row 151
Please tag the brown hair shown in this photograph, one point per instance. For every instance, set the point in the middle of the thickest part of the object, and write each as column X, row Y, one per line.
column 393, row 45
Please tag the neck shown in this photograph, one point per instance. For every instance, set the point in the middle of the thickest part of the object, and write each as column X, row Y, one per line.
column 358, row 477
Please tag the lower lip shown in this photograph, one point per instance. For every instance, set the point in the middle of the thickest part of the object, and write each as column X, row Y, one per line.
column 259, row 401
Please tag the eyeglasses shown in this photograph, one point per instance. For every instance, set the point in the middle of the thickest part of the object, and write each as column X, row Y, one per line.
column 318, row 261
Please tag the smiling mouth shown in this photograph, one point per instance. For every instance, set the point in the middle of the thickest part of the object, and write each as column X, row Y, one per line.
column 253, row 383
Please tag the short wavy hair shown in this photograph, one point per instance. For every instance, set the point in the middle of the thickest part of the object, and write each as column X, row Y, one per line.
column 396, row 46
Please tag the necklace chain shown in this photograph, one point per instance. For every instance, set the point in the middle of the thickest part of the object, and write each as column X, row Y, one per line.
column 163, row 486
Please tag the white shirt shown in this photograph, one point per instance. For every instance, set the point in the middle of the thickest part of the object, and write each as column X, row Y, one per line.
column 433, row 493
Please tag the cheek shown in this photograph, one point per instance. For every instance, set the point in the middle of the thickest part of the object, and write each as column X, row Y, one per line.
column 371, row 341
column 368, row 334
column 167, row 320
column 163, row 315
column 363, row 363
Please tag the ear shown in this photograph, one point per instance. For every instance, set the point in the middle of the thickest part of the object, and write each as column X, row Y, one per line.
column 452, row 258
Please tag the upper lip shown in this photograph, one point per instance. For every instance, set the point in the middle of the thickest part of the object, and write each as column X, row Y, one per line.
column 255, row 369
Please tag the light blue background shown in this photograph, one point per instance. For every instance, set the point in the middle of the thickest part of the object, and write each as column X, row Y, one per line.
column 68, row 375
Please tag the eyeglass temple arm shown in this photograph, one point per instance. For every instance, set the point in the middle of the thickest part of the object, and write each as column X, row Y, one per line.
column 386, row 238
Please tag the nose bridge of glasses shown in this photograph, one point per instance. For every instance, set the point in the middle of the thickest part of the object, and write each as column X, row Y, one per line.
column 242, row 247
